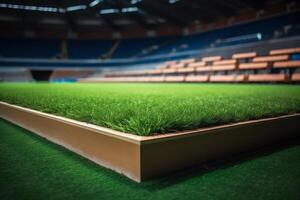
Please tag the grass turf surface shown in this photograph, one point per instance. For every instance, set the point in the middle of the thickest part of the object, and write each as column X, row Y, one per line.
column 33, row 168
column 145, row 109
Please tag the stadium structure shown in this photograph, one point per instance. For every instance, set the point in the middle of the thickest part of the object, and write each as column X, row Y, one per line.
column 150, row 99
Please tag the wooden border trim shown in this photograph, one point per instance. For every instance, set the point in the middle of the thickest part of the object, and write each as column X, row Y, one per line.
column 112, row 149
column 144, row 157
column 163, row 154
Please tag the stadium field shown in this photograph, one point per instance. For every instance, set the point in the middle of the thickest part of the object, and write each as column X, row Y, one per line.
column 33, row 168
column 147, row 109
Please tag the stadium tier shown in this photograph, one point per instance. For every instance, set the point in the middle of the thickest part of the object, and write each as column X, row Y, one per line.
column 281, row 65
column 145, row 99
column 265, row 29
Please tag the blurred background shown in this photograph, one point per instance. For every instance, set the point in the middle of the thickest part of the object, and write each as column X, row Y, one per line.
column 67, row 41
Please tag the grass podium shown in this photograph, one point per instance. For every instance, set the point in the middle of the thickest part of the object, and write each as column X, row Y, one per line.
column 142, row 154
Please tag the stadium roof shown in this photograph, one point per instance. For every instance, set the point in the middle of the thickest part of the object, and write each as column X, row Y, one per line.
column 117, row 15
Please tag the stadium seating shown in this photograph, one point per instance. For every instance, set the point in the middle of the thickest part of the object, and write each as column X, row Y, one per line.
column 197, row 78
column 211, row 58
column 152, row 46
column 133, row 47
column 88, row 49
column 270, row 58
column 296, row 77
column 244, row 55
column 228, row 36
column 174, row 78
column 268, row 78
column 256, row 68
column 227, row 78
column 287, row 64
column 247, row 66
column 284, row 51
column 21, row 75
column 29, row 48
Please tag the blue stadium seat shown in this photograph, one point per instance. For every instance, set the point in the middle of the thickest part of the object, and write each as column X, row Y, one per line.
column 29, row 48
column 129, row 48
column 295, row 57
column 88, row 49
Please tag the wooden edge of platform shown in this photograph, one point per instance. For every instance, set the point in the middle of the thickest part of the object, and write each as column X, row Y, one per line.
column 92, row 127
column 201, row 131
column 145, row 139
column 105, row 147
column 143, row 157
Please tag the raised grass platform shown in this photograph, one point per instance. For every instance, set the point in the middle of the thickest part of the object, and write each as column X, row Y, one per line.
column 32, row 168
column 144, row 157
column 150, row 109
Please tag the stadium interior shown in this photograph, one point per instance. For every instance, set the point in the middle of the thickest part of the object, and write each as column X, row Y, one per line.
column 150, row 99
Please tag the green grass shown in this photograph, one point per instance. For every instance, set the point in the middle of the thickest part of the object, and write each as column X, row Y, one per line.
column 33, row 168
column 146, row 109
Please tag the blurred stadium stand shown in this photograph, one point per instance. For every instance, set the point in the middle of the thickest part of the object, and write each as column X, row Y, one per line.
column 260, row 26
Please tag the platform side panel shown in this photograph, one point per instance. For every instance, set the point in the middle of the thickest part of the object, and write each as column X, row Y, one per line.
column 164, row 156
column 119, row 155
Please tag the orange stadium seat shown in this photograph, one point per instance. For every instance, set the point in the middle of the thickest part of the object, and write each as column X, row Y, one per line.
column 141, row 79
column 175, row 78
column 296, row 77
column 279, row 59
column 139, row 73
column 270, row 58
column 287, row 64
column 262, row 65
column 197, row 78
column 203, row 69
column 157, row 79
column 267, row 78
column 284, row 51
column 169, row 71
column 178, row 65
column 223, row 67
column 225, row 62
column 227, row 78
column 130, row 79
column 155, row 71
column 186, row 70
column 197, row 64
column 244, row 55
